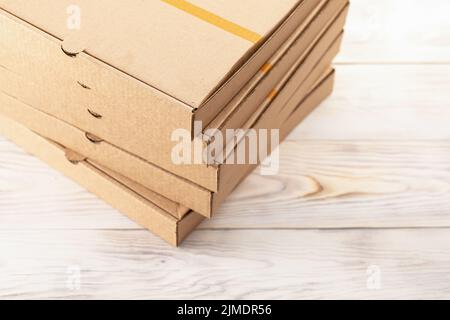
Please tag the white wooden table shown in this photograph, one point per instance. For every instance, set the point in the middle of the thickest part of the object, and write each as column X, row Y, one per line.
column 361, row 208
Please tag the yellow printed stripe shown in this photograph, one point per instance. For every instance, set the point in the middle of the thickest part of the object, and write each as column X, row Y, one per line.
column 215, row 20
column 266, row 67
column 272, row 94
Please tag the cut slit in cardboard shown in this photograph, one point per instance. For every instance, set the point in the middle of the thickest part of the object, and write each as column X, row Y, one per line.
column 207, row 177
column 165, row 183
column 123, row 197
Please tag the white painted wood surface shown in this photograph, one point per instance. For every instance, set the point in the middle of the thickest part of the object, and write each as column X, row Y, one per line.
column 363, row 195
column 397, row 31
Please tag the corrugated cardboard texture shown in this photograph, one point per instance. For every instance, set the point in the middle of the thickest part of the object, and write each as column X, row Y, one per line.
column 297, row 84
column 236, row 173
column 118, row 195
column 228, row 90
column 169, row 185
column 297, row 47
column 110, row 126
column 175, row 209
column 175, row 44
column 122, row 102
column 237, row 118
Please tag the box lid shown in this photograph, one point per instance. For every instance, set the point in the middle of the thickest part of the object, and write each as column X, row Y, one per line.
column 182, row 48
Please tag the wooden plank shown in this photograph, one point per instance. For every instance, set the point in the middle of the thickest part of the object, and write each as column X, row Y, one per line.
column 389, row 102
column 375, row 155
column 325, row 184
column 32, row 195
column 245, row 264
column 404, row 175
column 321, row 184
column 397, row 31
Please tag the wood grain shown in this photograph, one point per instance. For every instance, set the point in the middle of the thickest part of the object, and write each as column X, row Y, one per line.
column 364, row 183
column 332, row 184
column 321, row 184
column 397, row 31
column 384, row 102
column 258, row 264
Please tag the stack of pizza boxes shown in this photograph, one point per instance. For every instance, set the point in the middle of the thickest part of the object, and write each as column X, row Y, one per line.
column 154, row 105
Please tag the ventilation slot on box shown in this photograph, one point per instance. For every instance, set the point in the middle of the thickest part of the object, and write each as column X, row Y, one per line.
column 74, row 157
column 92, row 138
column 94, row 114
column 83, row 85
column 73, row 45
column 70, row 54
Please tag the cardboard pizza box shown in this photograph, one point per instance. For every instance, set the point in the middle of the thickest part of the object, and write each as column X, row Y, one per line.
column 127, row 198
column 207, row 177
column 168, row 185
column 124, row 126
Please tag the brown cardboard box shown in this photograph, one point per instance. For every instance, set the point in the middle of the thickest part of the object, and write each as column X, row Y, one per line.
column 190, row 36
column 236, row 173
column 245, row 115
column 207, row 177
column 305, row 42
column 99, row 89
column 136, row 206
column 123, row 196
column 175, row 209
column 171, row 186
